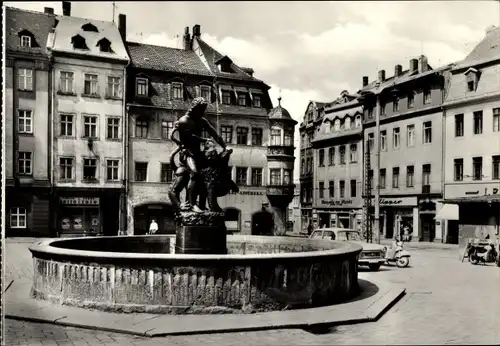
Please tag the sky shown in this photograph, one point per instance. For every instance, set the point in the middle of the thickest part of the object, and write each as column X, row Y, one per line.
column 307, row 50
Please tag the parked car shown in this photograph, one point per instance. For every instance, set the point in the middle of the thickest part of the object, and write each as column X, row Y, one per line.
column 372, row 255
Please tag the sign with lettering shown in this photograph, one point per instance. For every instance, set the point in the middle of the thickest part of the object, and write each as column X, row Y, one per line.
column 248, row 193
column 79, row 200
column 337, row 202
column 475, row 190
column 397, row 201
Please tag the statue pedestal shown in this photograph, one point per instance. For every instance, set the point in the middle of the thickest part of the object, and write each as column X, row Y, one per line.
column 201, row 233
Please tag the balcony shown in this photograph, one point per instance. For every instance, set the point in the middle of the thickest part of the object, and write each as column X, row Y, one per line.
column 280, row 150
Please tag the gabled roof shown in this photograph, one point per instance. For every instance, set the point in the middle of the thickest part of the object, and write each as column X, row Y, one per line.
column 489, row 47
column 69, row 27
column 37, row 23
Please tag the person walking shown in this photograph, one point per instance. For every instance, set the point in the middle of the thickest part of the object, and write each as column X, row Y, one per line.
column 153, row 227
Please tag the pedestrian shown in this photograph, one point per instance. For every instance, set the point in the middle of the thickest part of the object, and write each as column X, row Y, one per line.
column 406, row 231
column 153, row 227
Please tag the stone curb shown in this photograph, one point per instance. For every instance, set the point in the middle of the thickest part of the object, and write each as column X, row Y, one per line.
column 368, row 309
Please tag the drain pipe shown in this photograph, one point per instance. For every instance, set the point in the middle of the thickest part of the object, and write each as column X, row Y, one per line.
column 125, row 136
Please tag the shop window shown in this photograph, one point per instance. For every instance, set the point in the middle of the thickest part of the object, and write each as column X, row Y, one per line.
column 18, row 217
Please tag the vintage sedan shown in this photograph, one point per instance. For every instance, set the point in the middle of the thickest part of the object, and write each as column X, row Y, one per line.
column 372, row 255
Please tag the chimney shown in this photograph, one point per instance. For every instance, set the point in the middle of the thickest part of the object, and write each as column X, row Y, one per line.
column 66, row 5
column 187, row 39
column 48, row 10
column 422, row 64
column 196, row 30
column 398, row 70
column 122, row 26
column 413, row 66
column 381, row 75
column 365, row 81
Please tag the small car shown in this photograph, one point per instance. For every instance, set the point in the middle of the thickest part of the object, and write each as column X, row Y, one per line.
column 372, row 255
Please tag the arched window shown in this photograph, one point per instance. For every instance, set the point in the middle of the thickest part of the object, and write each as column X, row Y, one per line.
column 357, row 122
column 347, row 123
column 337, row 125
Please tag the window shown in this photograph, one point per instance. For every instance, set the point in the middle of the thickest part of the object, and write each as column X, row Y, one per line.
column 287, row 177
column 353, row 154
column 79, row 42
column 347, row 123
column 396, row 138
column 241, row 175
column 382, row 109
column 256, row 176
column 357, row 122
column 321, row 157
column 478, row 122
column 25, row 41
column 427, row 132
column 89, row 126
column 477, row 168
column 89, row 169
column 331, row 156
column 275, row 136
column 167, row 174
column 141, row 128
column 370, row 113
column 242, row 100
column 66, row 83
column 321, row 188
column 496, row 119
column 411, row 100
column 382, row 178
column 177, row 93
column 226, row 97
column 205, row 92
column 288, row 138
column 275, row 176
column 302, row 166
column 410, row 135
column 113, row 128
column 242, row 135
column 342, row 154
column 353, row 188
column 227, row 133
column 395, row 105
column 427, row 96
column 66, row 125
column 105, row 45
column 470, row 85
column 342, row 188
column 459, row 125
column 141, row 87
column 395, row 177
column 336, row 125
column 25, row 163
column 458, row 165
column 25, row 122
column 90, row 84
column 426, row 175
column 141, row 171
column 18, row 217
column 114, row 87
column 256, row 136
column 410, row 172
column 112, row 170
column 383, row 140
column 331, row 188
column 495, row 163
column 371, row 138
column 167, row 127
column 25, row 79
column 256, row 101
column 65, row 168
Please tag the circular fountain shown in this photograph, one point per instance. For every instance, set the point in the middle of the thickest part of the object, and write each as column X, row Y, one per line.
column 257, row 274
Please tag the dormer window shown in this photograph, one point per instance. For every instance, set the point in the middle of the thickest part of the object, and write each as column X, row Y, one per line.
column 25, row 41
column 357, row 122
column 79, row 42
column 347, row 123
column 104, row 45
column 205, row 92
column 336, row 125
column 224, row 64
column 256, row 101
column 226, row 97
column 242, row 100
column 177, row 93
column 89, row 27
column 471, row 77
column 141, row 87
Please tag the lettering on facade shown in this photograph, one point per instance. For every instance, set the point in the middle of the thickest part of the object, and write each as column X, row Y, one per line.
column 472, row 193
column 390, row 201
column 337, row 202
column 251, row 193
column 79, row 200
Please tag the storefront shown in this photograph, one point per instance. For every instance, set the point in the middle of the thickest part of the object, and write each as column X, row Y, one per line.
column 161, row 213
column 398, row 213
column 341, row 213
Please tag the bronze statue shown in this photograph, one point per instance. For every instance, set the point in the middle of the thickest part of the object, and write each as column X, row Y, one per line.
column 202, row 172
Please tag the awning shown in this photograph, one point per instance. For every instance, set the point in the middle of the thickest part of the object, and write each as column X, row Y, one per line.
column 448, row 212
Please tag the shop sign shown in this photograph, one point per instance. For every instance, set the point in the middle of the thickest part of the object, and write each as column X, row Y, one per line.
column 466, row 190
column 337, row 202
column 398, row 202
column 487, row 192
column 248, row 193
column 79, row 200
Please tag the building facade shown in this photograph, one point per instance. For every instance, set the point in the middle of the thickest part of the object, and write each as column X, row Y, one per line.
column 338, row 173
column 411, row 126
column 88, row 142
column 26, row 119
column 162, row 82
column 472, row 145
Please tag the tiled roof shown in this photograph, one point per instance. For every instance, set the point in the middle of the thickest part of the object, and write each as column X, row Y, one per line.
column 341, row 114
column 37, row 23
column 489, row 47
column 166, row 59
column 68, row 27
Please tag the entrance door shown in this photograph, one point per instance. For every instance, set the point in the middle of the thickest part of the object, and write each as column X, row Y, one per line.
column 452, row 234
column 428, row 227
column 262, row 223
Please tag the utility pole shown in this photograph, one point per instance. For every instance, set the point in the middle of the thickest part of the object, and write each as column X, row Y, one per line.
column 114, row 7
column 368, row 196
column 376, row 171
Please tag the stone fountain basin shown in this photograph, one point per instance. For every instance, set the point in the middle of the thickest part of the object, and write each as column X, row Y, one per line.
column 143, row 274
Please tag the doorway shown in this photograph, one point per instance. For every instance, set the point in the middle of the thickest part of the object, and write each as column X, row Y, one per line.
column 428, row 227
column 161, row 213
column 262, row 223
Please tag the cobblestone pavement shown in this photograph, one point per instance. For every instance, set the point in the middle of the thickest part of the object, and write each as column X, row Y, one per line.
column 447, row 302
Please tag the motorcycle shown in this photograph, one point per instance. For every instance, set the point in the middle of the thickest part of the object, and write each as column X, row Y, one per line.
column 482, row 254
column 396, row 254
